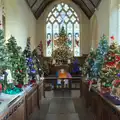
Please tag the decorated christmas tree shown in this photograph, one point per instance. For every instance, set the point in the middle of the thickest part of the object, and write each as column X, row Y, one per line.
column 42, row 64
column 29, row 61
column 63, row 52
column 37, row 62
column 76, row 67
column 101, row 51
column 17, row 61
column 111, row 68
column 89, row 62
column 4, row 63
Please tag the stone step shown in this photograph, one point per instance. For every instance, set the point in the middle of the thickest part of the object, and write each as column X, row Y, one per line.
column 69, row 116
column 61, row 105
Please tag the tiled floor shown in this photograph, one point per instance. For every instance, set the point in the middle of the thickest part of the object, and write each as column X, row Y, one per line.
column 62, row 106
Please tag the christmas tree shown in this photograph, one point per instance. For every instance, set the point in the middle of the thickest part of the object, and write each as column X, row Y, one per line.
column 41, row 63
column 89, row 62
column 111, row 68
column 63, row 52
column 37, row 62
column 17, row 61
column 76, row 67
column 29, row 61
column 101, row 51
column 4, row 63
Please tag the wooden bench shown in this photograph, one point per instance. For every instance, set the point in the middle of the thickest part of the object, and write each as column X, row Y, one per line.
column 51, row 83
column 102, row 108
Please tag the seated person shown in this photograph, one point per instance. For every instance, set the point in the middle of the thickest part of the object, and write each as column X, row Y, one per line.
column 63, row 74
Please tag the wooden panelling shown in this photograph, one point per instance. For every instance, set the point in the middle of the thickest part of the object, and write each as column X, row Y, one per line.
column 40, row 93
column 33, row 100
column 24, row 107
column 16, row 111
column 29, row 106
column 101, row 107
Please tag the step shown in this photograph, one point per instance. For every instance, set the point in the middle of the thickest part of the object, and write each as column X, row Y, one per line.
column 69, row 116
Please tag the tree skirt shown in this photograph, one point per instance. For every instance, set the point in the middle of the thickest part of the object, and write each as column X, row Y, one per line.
column 13, row 91
column 113, row 99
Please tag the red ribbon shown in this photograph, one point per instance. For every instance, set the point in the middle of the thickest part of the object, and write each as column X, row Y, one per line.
column 111, row 63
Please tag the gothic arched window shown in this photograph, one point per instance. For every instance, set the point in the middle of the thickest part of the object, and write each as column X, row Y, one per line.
column 63, row 15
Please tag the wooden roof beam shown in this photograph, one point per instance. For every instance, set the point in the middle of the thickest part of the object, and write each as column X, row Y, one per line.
column 87, row 6
column 77, row 3
column 33, row 4
column 99, row 1
column 41, row 8
column 92, row 3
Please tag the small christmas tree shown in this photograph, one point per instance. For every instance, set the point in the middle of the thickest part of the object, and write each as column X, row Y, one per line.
column 89, row 62
column 17, row 61
column 101, row 51
column 42, row 64
column 37, row 62
column 76, row 67
column 111, row 68
column 4, row 63
column 29, row 61
column 63, row 52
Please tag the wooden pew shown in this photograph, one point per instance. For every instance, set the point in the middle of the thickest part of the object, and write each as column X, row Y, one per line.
column 102, row 108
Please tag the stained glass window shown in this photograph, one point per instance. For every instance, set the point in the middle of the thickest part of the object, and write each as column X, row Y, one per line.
column 62, row 15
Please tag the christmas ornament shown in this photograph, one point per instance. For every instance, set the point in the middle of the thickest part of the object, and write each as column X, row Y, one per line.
column 112, row 38
column 118, row 74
